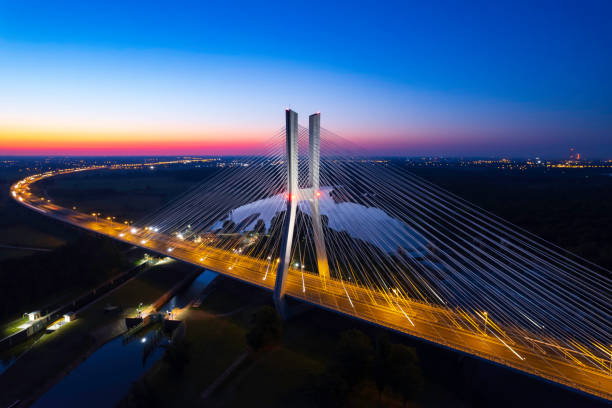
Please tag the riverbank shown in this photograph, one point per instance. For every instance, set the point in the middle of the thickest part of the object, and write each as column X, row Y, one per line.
column 56, row 354
column 119, row 362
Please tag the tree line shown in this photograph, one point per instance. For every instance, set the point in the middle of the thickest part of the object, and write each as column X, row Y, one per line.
column 356, row 359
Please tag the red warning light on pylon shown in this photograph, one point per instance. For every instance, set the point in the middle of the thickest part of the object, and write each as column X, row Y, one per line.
column 293, row 196
column 318, row 194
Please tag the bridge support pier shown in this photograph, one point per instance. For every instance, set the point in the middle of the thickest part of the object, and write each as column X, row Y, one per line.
column 280, row 285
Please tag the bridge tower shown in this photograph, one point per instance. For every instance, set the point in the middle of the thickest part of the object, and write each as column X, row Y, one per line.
column 293, row 196
column 291, row 125
column 314, row 160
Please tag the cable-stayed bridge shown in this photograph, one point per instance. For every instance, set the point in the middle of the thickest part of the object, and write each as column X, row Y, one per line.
column 311, row 219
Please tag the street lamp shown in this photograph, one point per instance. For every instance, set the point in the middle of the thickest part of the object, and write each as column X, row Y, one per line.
column 611, row 359
column 267, row 268
column 486, row 315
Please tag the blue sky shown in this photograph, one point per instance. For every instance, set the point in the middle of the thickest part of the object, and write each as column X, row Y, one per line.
column 450, row 78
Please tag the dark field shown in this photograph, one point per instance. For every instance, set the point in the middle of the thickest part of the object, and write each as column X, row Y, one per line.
column 22, row 231
column 124, row 194
column 571, row 208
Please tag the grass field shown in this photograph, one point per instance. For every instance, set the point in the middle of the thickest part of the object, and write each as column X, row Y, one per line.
column 12, row 327
column 124, row 194
column 20, row 226
column 28, row 236
column 214, row 345
column 274, row 378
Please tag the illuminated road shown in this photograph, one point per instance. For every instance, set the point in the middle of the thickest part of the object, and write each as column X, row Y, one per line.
column 466, row 331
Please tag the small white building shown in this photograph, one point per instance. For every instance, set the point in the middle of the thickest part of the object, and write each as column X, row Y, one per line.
column 35, row 315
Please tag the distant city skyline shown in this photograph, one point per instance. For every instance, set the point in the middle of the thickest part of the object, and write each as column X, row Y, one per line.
column 452, row 79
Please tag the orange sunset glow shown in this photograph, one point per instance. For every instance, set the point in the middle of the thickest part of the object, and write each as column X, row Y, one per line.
column 22, row 141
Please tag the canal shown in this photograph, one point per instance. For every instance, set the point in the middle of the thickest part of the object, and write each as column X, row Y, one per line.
column 106, row 376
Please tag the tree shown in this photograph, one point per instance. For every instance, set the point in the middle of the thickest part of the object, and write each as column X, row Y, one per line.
column 228, row 226
column 177, row 356
column 353, row 356
column 140, row 395
column 260, row 227
column 381, row 365
column 330, row 390
column 405, row 374
column 266, row 329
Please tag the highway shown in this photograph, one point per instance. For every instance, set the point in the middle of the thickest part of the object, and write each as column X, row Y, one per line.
column 465, row 331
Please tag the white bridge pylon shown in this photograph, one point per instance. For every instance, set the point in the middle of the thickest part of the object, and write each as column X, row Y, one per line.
column 293, row 195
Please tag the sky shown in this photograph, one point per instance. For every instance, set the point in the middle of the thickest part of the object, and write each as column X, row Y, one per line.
column 519, row 79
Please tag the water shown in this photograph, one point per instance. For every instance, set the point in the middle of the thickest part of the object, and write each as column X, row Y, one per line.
column 106, row 376
column 192, row 292
column 5, row 364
